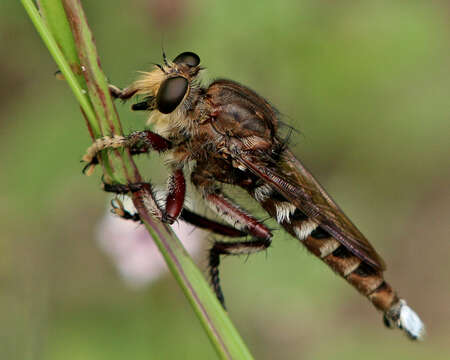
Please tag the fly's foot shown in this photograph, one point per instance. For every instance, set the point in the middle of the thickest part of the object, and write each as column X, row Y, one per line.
column 142, row 191
column 118, row 209
column 122, row 189
column 167, row 212
column 123, row 94
column 106, row 142
column 168, row 219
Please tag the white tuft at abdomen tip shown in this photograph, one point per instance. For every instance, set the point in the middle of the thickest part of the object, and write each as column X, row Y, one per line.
column 406, row 319
column 411, row 323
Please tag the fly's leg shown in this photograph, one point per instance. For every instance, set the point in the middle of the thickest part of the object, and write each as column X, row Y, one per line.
column 175, row 196
column 138, row 142
column 231, row 248
column 173, row 204
column 123, row 94
column 261, row 238
column 224, row 207
column 115, row 92
column 144, row 191
column 211, row 225
column 118, row 209
column 219, row 247
column 186, row 215
column 142, row 142
column 128, row 93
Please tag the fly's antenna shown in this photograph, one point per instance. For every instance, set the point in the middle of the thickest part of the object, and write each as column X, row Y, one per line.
column 163, row 51
column 165, row 58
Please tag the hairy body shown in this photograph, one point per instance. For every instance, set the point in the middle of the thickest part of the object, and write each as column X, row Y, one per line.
column 230, row 134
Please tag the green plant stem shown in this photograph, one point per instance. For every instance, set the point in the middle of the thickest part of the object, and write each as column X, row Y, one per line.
column 60, row 59
column 97, row 88
column 101, row 116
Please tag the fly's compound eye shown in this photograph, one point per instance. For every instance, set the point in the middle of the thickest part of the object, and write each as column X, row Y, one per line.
column 170, row 94
column 188, row 58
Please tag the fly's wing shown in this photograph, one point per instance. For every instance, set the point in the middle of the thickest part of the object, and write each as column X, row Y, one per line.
column 291, row 179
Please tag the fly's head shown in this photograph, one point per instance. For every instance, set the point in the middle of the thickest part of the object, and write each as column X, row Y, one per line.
column 169, row 91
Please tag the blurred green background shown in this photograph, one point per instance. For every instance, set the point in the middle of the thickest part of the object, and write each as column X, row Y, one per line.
column 367, row 83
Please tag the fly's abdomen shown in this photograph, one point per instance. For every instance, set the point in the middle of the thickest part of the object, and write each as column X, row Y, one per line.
column 367, row 280
column 363, row 277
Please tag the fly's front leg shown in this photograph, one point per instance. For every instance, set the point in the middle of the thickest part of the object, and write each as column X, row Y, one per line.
column 138, row 142
column 123, row 94
column 203, row 179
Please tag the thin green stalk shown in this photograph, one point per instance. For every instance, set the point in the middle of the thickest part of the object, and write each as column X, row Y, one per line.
column 97, row 87
column 60, row 59
column 91, row 90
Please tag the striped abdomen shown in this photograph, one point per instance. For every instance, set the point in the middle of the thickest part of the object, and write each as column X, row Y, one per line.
column 367, row 280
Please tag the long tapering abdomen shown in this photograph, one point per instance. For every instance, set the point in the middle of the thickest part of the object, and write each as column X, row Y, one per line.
column 367, row 280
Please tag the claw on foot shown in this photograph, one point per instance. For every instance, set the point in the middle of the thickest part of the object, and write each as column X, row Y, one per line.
column 117, row 207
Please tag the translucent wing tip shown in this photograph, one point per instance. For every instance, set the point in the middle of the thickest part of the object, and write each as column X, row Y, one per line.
column 406, row 319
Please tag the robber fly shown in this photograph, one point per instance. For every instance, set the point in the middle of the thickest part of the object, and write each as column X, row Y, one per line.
column 230, row 135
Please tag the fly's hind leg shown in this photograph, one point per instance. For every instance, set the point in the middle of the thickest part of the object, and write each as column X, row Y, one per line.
column 231, row 248
column 261, row 238
column 203, row 178
column 186, row 215
column 210, row 225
